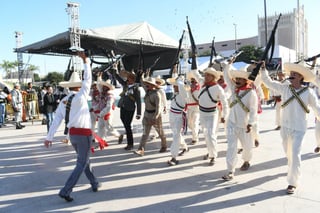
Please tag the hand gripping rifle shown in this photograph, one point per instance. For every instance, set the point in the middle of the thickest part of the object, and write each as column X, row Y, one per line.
column 176, row 60
column 270, row 43
column 213, row 53
column 193, row 48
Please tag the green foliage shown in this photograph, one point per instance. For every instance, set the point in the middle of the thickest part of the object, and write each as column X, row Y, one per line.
column 250, row 53
column 53, row 77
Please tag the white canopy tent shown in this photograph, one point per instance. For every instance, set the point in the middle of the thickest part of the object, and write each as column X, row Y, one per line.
column 122, row 39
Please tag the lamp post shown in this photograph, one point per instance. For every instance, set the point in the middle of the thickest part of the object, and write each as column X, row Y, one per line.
column 235, row 36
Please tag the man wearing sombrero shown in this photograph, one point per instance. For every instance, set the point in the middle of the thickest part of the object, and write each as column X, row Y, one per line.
column 106, row 108
column 75, row 110
column 243, row 105
column 130, row 100
column 176, row 120
column 295, row 102
column 152, row 115
column 192, row 106
column 211, row 93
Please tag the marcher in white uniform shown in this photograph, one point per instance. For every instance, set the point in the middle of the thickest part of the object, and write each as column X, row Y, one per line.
column 105, row 118
column 210, row 94
column 192, row 107
column 296, row 99
column 176, row 120
column 242, row 117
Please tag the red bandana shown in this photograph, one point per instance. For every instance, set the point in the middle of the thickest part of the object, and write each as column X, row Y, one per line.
column 245, row 87
column 212, row 83
column 195, row 87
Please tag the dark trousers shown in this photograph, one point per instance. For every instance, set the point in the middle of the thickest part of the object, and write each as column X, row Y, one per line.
column 81, row 145
column 126, row 118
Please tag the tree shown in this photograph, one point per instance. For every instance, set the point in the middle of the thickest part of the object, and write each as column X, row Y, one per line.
column 250, row 53
column 30, row 70
column 54, row 77
column 8, row 66
column 36, row 77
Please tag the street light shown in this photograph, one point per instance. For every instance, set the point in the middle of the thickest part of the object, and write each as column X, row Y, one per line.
column 235, row 36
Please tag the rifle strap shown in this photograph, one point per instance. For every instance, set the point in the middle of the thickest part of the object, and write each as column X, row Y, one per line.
column 174, row 99
column 207, row 90
column 296, row 95
column 68, row 107
column 238, row 100
column 194, row 98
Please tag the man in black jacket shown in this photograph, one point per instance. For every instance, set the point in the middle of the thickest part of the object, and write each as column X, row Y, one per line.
column 130, row 99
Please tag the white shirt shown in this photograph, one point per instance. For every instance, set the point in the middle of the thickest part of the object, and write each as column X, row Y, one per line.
column 293, row 115
column 79, row 116
column 237, row 115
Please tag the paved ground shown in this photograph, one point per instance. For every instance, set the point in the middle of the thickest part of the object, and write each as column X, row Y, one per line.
column 31, row 176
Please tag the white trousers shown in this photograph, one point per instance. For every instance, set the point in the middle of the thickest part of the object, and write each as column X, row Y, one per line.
column 278, row 113
column 317, row 132
column 105, row 128
column 209, row 125
column 177, row 138
column 235, row 134
column 292, row 142
column 193, row 117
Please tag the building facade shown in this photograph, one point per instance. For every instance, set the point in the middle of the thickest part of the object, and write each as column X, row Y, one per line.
column 291, row 38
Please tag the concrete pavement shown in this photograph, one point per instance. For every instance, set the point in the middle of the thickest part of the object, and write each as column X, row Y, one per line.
column 32, row 175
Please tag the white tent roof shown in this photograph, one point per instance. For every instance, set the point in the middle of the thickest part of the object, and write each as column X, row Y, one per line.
column 122, row 39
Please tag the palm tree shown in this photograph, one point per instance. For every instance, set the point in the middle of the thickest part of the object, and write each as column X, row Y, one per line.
column 30, row 69
column 8, row 66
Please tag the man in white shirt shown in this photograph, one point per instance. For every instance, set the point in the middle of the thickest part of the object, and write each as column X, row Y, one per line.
column 295, row 101
column 75, row 110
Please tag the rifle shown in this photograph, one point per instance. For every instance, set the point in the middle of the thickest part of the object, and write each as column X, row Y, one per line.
column 176, row 60
column 213, row 53
column 313, row 59
column 193, row 48
column 141, row 59
column 271, row 41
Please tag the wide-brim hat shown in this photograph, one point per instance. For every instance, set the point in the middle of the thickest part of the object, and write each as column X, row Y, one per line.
column 160, row 81
column 151, row 81
column 126, row 74
column 106, row 83
column 193, row 74
column 74, row 81
column 172, row 81
column 307, row 73
column 212, row 71
column 243, row 72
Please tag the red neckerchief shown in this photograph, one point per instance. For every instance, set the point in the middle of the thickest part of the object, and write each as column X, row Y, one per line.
column 245, row 87
column 195, row 87
column 209, row 84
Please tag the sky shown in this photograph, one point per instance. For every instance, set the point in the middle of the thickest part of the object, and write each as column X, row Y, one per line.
column 40, row 19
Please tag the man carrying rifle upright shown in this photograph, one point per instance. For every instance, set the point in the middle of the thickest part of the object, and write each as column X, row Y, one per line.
column 296, row 98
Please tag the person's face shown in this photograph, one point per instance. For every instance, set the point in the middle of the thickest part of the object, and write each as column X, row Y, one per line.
column 295, row 77
column 50, row 90
column 149, row 86
column 240, row 82
column 130, row 80
column 105, row 89
column 208, row 78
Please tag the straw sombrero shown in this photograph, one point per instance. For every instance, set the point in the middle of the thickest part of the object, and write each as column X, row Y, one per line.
column 106, row 83
column 243, row 72
column 126, row 74
column 74, row 81
column 193, row 74
column 212, row 71
column 172, row 81
column 160, row 81
column 308, row 75
column 150, row 80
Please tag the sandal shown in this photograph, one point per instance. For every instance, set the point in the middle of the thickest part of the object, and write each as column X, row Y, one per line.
column 228, row 176
column 291, row 189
